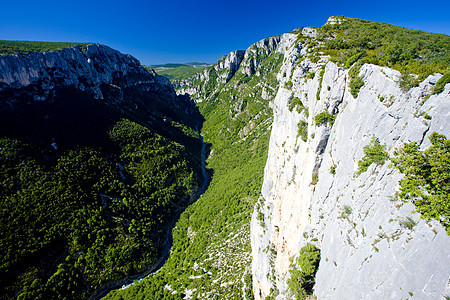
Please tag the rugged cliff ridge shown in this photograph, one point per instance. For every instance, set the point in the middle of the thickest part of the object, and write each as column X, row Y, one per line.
column 85, row 67
column 99, row 70
column 246, row 62
column 355, row 221
column 33, row 80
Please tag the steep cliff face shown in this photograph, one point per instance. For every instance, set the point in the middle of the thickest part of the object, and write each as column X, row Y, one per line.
column 85, row 79
column 85, row 67
column 99, row 71
column 312, row 194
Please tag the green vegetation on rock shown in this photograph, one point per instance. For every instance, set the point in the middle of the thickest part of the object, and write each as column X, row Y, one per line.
column 296, row 103
column 427, row 177
column 322, row 72
column 374, row 152
column 324, row 118
column 303, row 272
column 408, row 51
column 440, row 84
column 9, row 47
column 356, row 82
column 302, row 130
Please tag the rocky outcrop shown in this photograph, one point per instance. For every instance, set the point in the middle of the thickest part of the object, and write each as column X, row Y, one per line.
column 230, row 63
column 246, row 62
column 105, row 74
column 366, row 252
column 86, row 68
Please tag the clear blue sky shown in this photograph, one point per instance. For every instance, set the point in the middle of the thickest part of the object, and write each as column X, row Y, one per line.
column 197, row 30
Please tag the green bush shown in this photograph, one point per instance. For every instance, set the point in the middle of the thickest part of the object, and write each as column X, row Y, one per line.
column 440, row 84
column 354, row 58
column 427, row 177
column 333, row 169
column 322, row 72
column 298, row 104
column 374, row 152
column 356, row 82
column 288, row 85
column 303, row 272
column 345, row 212
column 314, row 178
column 310, row 75
column 302, row 130
column 324, row 118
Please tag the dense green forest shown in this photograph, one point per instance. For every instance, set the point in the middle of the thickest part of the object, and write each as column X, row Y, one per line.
column 88, row 191
column 100, row 214
column 8, row 47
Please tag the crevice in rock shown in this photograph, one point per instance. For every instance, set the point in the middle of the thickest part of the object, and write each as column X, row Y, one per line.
column 423, row 135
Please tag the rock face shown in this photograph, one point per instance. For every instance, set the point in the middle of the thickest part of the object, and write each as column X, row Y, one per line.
column 100, row 71
column 367, row 253
column 85, row 67
column 246, row 62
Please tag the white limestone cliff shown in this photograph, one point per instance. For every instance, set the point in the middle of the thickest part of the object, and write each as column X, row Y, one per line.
column 236, row 62
column 84, row 67
column 366, row 254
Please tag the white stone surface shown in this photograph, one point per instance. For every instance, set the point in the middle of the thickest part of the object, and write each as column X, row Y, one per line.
column 86, row 68
column 367, row 255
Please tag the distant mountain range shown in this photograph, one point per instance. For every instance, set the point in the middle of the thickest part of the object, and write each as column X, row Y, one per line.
column 178, row 71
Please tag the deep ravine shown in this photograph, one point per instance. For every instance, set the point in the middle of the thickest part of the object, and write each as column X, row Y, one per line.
column 131, row 280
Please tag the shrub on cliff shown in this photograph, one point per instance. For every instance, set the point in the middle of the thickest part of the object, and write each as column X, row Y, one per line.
column 303, row 272
column 374, row 152
column 427, row 177
column 439, row 87
column 324, row 117
column 356, row 82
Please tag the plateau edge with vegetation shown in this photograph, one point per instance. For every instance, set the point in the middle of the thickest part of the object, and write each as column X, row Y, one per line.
column 327, row 152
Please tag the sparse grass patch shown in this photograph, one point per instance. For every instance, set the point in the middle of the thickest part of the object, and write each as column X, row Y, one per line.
column 408, row 222
column 333, row 169
column 345, row 212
